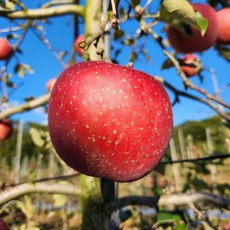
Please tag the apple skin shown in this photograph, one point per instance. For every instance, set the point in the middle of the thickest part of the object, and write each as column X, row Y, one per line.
column 227, row 227
column 195, row 43
column 223, row 17
column 5, row 49
column 3, row 225
column 6, row 129
column 190, row 71
column 77, row 41
column 50, row 84
column 109, row 121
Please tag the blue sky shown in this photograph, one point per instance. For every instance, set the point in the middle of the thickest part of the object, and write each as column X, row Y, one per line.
column 60, row 36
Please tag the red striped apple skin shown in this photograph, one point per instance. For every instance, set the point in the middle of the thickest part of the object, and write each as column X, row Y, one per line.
column 109, row 121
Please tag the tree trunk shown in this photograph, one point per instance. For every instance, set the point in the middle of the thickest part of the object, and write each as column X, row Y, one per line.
column 95, row 209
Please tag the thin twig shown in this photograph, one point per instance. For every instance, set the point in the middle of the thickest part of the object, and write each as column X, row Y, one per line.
column 115, row 20
column 186, row 81
column 11, row 29
column 143, row 9
column 49, row 46
column 18, row 3
column 57, row 2
column 63, row 177
column 196, row 98
column 20, row 40
column 195, row 160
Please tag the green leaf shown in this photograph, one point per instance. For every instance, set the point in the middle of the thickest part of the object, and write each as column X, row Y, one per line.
column 133, row 56
column 157, row 191
column 224, row 52
column 122, row 13
column 59, row 200
column 28, row 68
column 40, row 137
column 118, row 34
column 26, row 207
column 161, row 216
column 22, row 68
column 36, row 137
column 10, row 84
column 181, row 12
column 167, row 64
column 11, row 36
column 135, row 3
column 201, row 22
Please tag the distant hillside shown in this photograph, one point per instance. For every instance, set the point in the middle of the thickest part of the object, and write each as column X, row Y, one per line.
column 201, row 138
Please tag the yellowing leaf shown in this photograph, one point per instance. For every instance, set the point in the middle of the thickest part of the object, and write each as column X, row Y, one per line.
column 181, row 12
column 59, row 200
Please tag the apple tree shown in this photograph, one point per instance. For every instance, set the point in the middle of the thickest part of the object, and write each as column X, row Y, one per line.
column 107, row 120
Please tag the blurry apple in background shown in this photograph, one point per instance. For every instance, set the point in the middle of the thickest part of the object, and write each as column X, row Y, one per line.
column 190, row 64
column 77, row 49
column 3, row 225
column 227, row 227
column 109, row 121
column 50, row 84
column 196, row 42
column 5, row 49
column 223, row 17
column 6, row 129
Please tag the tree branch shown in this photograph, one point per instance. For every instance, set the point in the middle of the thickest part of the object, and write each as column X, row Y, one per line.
column 185, row 80
column 150, row 201
column 37, row 102
column 18, row 191
column 46, row 12
column 187, row 95
column 173, row 199
column 188, row 198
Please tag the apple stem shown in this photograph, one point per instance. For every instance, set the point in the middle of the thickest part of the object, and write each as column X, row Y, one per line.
column 108, row 190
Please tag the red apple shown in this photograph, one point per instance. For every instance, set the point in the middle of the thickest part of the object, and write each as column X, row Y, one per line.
column 109, row 121
column 78, row 40
column 190, row 64
column 227, row 227
column 195, row 43
column 3, row 225
column 50, row 84
column 223, row 17
column 5, row 49
column 6, row 129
